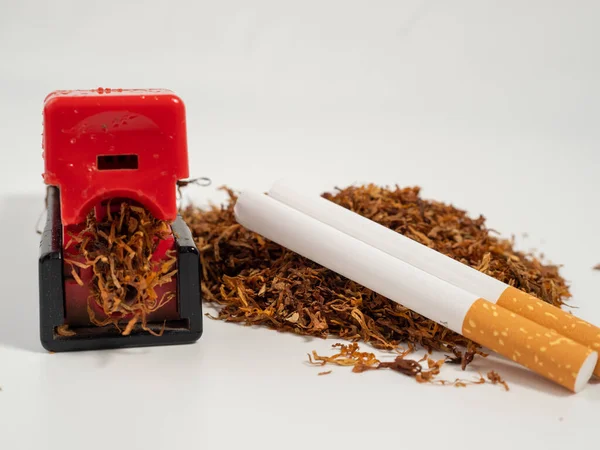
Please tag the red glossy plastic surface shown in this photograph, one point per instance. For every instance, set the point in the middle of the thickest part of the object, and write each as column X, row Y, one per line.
column 102, row 144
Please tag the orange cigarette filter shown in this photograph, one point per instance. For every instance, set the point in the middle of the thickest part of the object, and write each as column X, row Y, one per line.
column 534, row 346
column 551, row 317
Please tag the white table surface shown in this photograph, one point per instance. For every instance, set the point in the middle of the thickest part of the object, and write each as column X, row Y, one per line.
column 492, row 106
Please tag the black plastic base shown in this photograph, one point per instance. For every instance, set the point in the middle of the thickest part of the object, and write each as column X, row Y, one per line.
column 52, row 298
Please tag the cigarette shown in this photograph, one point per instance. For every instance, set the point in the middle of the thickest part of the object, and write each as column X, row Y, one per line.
column 545, row 352
column 439, row 265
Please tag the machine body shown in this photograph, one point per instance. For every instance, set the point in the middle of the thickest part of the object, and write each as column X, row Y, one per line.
column 102, row 147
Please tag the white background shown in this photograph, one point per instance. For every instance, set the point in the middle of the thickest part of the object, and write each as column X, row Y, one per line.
column 491, row 105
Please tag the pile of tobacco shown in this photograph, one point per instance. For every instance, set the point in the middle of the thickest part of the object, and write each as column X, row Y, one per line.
column 257, row 282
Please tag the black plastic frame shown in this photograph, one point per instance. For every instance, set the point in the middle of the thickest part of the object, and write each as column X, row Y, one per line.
column 52, row 301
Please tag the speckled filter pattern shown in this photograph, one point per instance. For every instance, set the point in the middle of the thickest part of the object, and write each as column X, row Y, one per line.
column 553, row 318
column 534, row 346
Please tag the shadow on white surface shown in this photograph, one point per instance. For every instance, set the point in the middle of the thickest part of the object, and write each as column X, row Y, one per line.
column 19, row 312
column 515, row 375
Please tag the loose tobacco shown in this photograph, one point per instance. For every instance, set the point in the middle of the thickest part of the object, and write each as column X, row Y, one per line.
column 350, row 355
column 257, row 282
column 119, row 248
column 495, row 378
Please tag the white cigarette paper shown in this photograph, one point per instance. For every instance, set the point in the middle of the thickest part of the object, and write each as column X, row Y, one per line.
column 374, row 269
column 463, row 312
column 388, row 241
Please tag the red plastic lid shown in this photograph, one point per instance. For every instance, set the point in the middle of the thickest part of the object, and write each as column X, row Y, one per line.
column 106, row 143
